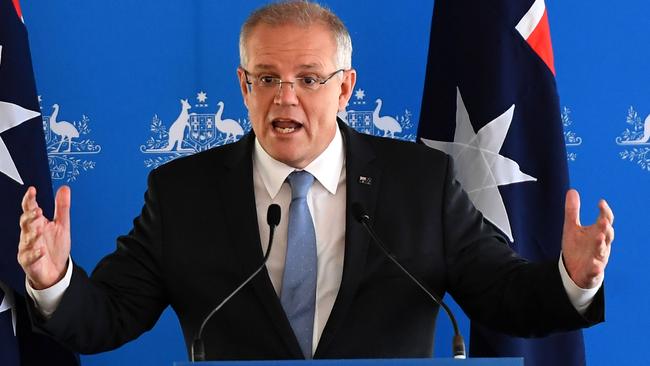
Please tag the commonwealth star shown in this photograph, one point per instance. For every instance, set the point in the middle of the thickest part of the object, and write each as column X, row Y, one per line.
column 480, row 168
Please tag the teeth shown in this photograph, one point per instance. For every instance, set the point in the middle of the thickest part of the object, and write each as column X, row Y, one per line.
column 285, row 130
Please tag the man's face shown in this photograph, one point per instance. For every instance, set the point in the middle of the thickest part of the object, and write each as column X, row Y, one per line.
column 294, row 125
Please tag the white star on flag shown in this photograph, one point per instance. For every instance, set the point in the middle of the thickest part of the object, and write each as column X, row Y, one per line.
column 480, row 168
column 11, row 115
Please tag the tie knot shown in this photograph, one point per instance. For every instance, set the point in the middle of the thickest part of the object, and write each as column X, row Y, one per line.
column 300, row 182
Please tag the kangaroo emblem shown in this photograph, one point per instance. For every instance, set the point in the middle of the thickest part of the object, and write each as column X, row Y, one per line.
column 177, row 129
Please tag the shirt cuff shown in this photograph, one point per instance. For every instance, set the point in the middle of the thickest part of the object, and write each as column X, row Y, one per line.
column 47, row 300
column 579, row 297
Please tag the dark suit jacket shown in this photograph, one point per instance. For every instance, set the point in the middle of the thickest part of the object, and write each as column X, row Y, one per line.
column 197, row 239
column 35, row 348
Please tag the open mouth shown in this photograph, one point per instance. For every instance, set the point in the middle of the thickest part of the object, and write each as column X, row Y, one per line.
column 285, row 125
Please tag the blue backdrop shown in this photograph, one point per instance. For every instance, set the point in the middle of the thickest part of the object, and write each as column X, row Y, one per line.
column 117, row 71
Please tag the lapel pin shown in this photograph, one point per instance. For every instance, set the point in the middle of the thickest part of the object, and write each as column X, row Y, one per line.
column 365, row 180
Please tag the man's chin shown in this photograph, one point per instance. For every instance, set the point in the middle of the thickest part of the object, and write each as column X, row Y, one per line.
column 296, row 163
column 295, row 160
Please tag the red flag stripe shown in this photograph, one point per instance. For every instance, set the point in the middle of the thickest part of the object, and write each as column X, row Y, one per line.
column 534, row 27
column 540, row 41
column 18, row 11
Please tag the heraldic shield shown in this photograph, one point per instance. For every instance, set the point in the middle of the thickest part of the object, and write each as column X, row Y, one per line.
column 202, row 130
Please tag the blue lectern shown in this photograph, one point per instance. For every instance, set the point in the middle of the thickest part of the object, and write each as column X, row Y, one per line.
column 369, row 362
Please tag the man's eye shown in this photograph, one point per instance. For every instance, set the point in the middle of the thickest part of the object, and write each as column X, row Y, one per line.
column 309, row 80
column 266, row 80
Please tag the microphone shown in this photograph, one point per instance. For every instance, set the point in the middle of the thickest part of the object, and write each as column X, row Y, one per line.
column 458, row 344
column 272, row 219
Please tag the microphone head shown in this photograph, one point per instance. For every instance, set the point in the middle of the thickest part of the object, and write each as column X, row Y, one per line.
column 359, row 212
column 273, row 215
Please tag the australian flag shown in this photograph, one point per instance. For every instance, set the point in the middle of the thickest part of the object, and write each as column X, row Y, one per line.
column 23, row 163
column 490, row 101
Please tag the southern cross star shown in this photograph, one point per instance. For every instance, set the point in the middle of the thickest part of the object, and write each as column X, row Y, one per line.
column 480, row 168
column 11, row 115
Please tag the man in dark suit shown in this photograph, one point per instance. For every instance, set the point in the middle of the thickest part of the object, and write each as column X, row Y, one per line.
column 295, row 75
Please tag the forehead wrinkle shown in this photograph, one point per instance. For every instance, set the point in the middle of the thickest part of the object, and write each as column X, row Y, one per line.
column 311, row 66
column 268, row 67
column 263, row 67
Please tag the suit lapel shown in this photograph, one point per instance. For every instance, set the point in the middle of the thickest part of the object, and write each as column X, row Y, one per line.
column 363, row 175
column 362, row 185
column 237, row 193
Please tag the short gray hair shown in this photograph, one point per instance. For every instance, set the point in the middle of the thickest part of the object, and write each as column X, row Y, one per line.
column 302, row 13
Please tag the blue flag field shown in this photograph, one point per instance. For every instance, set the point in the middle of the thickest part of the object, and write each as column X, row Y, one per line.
column 23, row 163
column 490, row 101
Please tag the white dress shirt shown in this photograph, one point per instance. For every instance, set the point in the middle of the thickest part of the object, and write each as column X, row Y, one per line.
column 326, row 201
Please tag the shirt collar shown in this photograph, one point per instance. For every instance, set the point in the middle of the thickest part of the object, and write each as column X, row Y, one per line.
column 326, row 168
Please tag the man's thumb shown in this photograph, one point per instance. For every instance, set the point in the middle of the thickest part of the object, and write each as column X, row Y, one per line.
column 62, row 206
column 572, row 207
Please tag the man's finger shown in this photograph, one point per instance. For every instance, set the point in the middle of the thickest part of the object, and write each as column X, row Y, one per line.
column 602, row 250
column 27, row 218
column 62, row 207
column 29, row 200
column 609, row 234
column 28, row 257
column 28, row 244
column 606, row 211
column 572, row 208
column 34, row 236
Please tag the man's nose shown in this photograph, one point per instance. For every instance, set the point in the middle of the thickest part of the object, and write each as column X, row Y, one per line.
column 286, row 94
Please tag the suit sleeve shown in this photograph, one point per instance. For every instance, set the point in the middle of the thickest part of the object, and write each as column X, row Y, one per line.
column 125, row 295
column 495, row 286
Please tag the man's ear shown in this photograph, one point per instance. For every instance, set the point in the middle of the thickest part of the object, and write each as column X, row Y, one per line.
column 347, row 87
column 243, row 86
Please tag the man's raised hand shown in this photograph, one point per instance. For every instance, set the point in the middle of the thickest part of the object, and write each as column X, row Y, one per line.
column 44, row 246
column 586, row 249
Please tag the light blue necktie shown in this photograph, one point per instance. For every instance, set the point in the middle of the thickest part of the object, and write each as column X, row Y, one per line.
column 298, row 294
